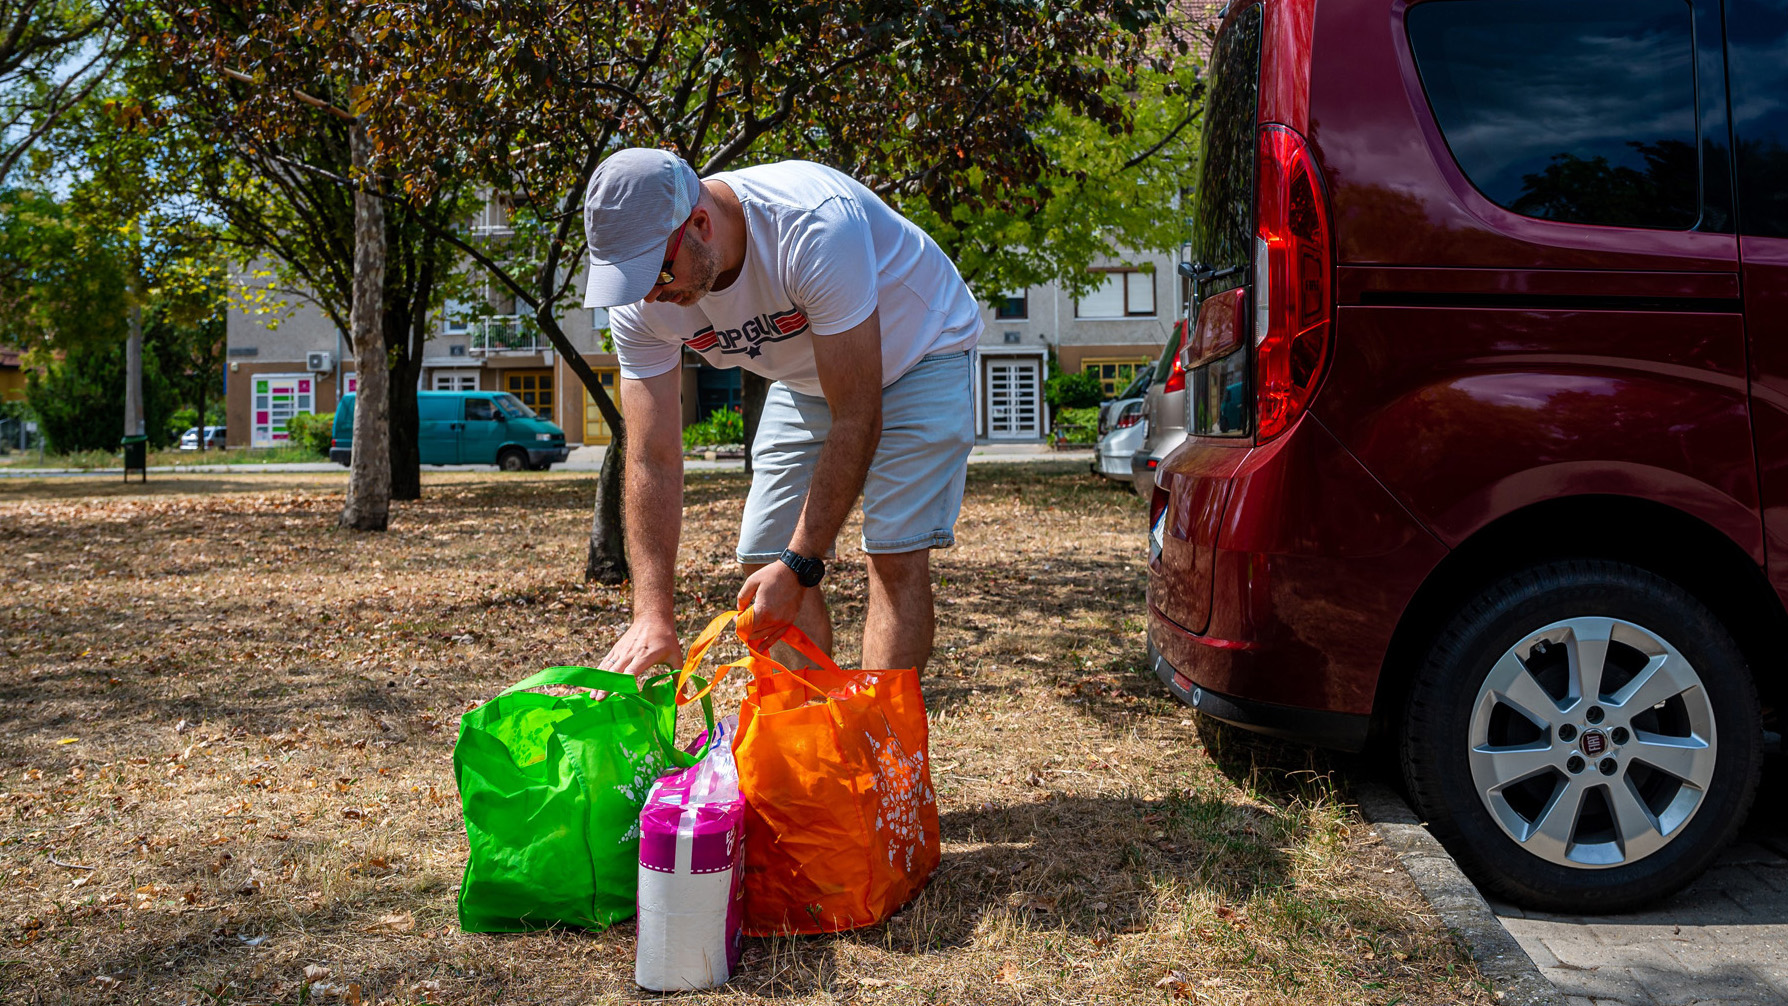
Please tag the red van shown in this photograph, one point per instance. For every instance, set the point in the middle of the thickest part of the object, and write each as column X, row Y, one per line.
column 1488, row 448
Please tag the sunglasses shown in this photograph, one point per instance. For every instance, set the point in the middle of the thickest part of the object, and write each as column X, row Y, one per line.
column 665, row 275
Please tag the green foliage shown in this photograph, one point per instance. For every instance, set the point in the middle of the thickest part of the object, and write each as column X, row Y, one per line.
column 186, row 417
column 312, row 430
column 1101, row 195
column 1074, row 391
column 63, row 282
column 1078, row 425
column 79, row 399
column 722, row 427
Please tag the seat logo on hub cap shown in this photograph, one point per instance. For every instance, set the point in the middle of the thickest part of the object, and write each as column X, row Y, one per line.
column 1594, row 742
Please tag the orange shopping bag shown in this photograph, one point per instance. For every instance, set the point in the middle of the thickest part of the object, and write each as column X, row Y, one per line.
column 841, row 821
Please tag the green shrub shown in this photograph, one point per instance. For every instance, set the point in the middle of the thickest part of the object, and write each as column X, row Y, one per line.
column 79, row 399
column 1078, row 426
column 1074, row 391
column 314, row 431
column 722, row 427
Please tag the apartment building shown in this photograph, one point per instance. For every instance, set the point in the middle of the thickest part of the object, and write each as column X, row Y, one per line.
column 1118, row 328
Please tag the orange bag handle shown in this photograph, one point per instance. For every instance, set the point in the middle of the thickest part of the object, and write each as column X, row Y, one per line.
column 802, row 645
column 698, row 650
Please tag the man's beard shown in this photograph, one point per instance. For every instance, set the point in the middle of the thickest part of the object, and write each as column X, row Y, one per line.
column 706, row 268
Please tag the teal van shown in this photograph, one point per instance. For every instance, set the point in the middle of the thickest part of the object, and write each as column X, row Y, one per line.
column 469, row 428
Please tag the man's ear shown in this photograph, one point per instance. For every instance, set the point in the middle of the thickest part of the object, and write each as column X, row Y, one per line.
column 703, row 222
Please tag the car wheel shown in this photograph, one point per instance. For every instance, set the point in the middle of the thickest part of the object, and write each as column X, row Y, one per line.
column 512, row 460
column 1584, row 736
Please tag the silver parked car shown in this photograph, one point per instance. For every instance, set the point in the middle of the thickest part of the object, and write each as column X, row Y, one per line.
column 1163, row 414
column 1121, row 440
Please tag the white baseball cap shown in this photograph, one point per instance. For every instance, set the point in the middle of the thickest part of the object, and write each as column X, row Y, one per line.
column 636, row 198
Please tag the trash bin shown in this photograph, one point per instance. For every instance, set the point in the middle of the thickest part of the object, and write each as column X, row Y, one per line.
column 136, row 456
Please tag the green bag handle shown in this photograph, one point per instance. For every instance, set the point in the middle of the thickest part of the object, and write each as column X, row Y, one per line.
column 678, row 756
column 623, row 684
column 577, row 677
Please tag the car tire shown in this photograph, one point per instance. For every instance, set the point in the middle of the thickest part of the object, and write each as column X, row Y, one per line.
column 1658, row 788
column 513, row 460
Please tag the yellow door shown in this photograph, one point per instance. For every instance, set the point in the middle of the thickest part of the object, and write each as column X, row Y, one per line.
column 534, row 388
column 596, row 430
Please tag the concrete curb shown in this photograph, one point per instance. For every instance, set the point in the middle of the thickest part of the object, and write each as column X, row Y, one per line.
column 1518, row 982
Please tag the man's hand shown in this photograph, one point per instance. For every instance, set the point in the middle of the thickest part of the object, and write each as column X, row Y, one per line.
column 774, row 593
column 647, row 643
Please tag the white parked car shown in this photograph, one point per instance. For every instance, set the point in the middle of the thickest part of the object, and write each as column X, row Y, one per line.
column 214, row 438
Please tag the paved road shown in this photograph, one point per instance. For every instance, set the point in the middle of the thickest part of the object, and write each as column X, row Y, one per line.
column 1723, row 940
column 582, row 459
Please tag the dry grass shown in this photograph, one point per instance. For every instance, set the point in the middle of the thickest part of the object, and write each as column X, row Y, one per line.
column 242, row 720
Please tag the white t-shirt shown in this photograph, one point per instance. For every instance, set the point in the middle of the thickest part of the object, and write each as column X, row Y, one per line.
column 813, row 238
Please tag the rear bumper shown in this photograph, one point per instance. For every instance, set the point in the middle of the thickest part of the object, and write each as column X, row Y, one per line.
column 1281, row 585
column 1344, row 731
column 341, row 455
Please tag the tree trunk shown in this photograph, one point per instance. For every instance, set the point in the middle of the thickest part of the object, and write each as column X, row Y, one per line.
column 406, row 330
column 753, row 388
column 369, row 480
column 133, row 366
column 606, row 561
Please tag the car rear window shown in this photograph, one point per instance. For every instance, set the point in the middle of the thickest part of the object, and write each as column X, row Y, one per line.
column 1223, row 208
column 1757, row 65
column 1580, row 112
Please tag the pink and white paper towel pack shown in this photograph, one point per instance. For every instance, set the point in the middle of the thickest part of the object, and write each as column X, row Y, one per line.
column 691, row 863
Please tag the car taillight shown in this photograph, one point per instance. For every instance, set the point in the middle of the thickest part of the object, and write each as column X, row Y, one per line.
column 1176, row 378
column 1292, row 281
column 1131, row 415
column 1157, row 523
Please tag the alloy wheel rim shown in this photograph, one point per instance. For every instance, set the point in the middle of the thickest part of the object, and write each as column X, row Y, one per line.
column 1592, row 742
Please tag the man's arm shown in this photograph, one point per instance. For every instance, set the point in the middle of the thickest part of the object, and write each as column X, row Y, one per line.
column 850, row 373
column 652, row 493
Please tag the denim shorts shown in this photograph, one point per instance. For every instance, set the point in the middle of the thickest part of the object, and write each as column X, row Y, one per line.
column 913, row 493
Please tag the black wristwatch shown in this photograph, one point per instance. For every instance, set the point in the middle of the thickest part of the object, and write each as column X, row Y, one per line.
column 808, row 571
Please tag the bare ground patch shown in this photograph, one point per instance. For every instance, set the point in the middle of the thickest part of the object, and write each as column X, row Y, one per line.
column 225, row 757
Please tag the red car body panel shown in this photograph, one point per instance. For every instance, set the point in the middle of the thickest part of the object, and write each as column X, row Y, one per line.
column 1482, row 362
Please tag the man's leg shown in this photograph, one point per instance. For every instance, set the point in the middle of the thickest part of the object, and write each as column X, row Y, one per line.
column 814, row 619
column 898, row 630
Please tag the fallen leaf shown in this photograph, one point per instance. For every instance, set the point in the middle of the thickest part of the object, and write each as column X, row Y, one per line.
column 68, row 740
column 401, row 922
column 1177, row 982
column 316, row 973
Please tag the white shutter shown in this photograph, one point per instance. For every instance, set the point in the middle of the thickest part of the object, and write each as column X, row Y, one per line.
column 1105, row 302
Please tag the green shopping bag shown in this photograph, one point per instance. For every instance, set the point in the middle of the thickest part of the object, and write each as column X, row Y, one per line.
column 551, row 787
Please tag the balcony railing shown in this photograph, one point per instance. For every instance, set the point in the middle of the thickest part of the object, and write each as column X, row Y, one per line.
column 507, row 335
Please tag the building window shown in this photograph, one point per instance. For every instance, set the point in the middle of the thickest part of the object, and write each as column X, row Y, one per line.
column 457, row 349
column 534, row 388
column 598, row 318
column 1124, row 293
column 453, row 319
column 1014, row 306
column 1116, row 374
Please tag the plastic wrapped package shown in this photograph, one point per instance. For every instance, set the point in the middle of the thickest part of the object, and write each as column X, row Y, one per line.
column 691, row 864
